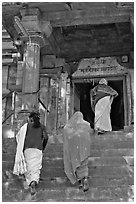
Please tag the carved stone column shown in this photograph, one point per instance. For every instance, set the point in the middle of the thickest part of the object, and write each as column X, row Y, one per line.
column 34, row 41
column 31, row 74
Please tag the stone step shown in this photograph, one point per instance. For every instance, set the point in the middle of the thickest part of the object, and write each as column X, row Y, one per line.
column 112, row 152
column 113, row 140
column 102, row 140
column 9, row 145
column 100, row 171
column 116, row 145
column 120, row 135
column 107, row 137
column 93, row 161
column 94, row 171
column 55, row 182
column 112, row 144
column 58, row 153
column 94, row 194
column 94, row 153
column 9, row 153
column 111, row 172
column 104, row 148
column 97, row 149
column 70, row 193
column 93, row 182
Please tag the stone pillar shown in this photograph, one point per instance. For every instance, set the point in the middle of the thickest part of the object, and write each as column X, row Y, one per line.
column 63, row 100
column 31, row 75
column 20, row 67
column 30, row 23
column 5, row 70
column 44, row 97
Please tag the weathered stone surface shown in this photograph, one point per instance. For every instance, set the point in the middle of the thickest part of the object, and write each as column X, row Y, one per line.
column 56, row 169
column 93, row 161
column 111, row 173
column 72, row 194
column 113, row 144
column 51, row 183
column 12, row 77
column 48, row 61
column 20, row 67
column 8, row 145
column 112, row 152
column 4, row 78
column 59, row 62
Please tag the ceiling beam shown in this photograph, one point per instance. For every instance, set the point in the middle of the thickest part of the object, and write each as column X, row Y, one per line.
column 96, row 51
column 87, row 17
column 80, row 56
column 132, row 22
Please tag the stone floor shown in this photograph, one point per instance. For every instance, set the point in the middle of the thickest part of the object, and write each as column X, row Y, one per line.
column 111, row 173
column 58, row 189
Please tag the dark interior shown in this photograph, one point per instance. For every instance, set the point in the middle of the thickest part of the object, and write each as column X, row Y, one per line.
column 117, row 108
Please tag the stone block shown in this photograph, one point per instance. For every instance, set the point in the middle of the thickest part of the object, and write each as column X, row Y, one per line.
column 9, row 145
column 20, row 68
column 59, row 62
column 49, row 61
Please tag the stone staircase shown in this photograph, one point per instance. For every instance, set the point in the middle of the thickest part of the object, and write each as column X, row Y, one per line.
column 111, row 170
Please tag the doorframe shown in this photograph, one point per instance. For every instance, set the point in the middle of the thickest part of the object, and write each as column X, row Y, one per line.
column 127, row 92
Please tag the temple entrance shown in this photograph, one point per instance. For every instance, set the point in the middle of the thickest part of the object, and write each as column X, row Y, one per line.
column 118, row 108
column 87, row 76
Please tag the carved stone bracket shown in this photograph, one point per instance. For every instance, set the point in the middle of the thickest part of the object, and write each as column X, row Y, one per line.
column 30, row 19
column 36, row 39
column 32, row 22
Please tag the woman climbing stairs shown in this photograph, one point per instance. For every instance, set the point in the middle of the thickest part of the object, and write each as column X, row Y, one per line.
column 111, row 170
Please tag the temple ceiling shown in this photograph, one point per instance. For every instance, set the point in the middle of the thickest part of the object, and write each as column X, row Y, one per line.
column 80, row 30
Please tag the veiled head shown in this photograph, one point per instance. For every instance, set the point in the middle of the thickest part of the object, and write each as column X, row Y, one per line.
column 103, row 81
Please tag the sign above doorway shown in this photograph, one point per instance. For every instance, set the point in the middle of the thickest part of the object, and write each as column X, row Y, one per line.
column 98, row 66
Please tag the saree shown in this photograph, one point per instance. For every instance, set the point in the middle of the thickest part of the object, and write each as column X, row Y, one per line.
column 99, row 92
column 102, row 114
column 19, row 164
column 76, row 147
column 101, row 97
column 28, row 162
column 33, row 159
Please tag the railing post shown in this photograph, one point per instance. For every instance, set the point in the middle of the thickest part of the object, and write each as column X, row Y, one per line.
column 13, row 107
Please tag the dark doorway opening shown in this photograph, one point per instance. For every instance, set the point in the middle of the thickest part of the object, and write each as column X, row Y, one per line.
column 117, row 108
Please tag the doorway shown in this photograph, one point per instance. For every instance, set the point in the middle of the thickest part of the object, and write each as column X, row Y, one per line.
column 118, row 108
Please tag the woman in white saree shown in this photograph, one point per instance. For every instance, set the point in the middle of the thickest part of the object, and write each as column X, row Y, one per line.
column 102, row 97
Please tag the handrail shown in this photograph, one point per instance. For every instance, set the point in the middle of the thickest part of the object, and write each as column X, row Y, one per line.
column 8, row 117
column 12, row 111
column 43, row 105
column 7, row 95
column 21, row 111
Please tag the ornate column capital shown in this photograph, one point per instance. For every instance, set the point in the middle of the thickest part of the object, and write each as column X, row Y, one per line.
column 32, row 22
column 30, row 19
column 29, row 12
column 32, row 29
column 36, row 39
